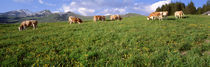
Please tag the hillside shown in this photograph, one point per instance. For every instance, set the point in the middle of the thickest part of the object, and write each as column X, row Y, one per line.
column 134, row 41
column 16, row 16
column 42, row 16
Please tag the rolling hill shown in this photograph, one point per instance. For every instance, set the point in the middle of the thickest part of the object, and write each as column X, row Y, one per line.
column 43, row 16
column 134, row 41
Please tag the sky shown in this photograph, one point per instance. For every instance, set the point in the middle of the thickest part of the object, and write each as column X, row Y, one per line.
column 91, row 7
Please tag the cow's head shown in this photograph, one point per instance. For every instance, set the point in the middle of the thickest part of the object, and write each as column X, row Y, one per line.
column 148, row 18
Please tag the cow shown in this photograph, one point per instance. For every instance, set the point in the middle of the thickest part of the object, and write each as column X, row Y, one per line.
column 99, row 18
column 165, row 14
column 74, row 20
column 155, row 15
column 115, row 17
column 28, row 23
column 178, row 14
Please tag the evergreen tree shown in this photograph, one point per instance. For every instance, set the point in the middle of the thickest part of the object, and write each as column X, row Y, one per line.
column 208, row 2
column 199, row 10
column 158, row 9
column 190, row 9
column 172, row 7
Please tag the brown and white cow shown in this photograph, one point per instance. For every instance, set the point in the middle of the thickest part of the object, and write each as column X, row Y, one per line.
column 178, row 14
column 28, row 23
column 115, row 17
column 74, row 20
column 155, row 15
column 99, row 18
column 165, row 14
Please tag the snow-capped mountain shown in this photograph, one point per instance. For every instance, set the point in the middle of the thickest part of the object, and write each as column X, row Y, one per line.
column 26, row 13
column 18, row 13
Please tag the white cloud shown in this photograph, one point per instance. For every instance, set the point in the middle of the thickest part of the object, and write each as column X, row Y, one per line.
column 73, row 7
column 41, row 2
column 95, row 7
column 108, row 7
column 85, row 11
column 65, row 8
column 110, row 11
column 45, row 3
column 23, row 1
column 55, row 11
column 154, row 6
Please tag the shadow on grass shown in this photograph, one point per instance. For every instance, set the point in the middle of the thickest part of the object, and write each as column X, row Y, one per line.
column 171, row 19
column 184, row 17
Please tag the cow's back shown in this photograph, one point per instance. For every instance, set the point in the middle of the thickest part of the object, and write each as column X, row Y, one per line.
column 35, row 22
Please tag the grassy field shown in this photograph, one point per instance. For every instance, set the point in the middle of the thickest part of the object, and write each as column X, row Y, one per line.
column 134, row 41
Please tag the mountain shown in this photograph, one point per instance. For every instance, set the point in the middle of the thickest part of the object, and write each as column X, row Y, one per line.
column 41, row 13
column 18, row 13
column 26, row 13
column 44, row 16
column 131, row 14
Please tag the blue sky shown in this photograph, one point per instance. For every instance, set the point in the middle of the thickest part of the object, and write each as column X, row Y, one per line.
column 91, row 7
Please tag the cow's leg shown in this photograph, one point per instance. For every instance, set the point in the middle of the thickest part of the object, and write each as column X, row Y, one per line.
column 79, row 22
column 34, row 27
column 70, row 22
column 181, row 16
column 19, row 28
column 94, row 19
column 159, row 18
column 24, row 27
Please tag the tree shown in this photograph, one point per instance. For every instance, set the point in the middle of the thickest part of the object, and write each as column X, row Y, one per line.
column 158, row 9
column 172, row 7
column 199, row 10
column 208, row 2
column 190, row 9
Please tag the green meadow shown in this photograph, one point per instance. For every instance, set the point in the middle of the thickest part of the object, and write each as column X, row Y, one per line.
column 134, row 41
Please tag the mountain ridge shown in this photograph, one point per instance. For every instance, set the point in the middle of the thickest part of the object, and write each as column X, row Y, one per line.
column 43, row 16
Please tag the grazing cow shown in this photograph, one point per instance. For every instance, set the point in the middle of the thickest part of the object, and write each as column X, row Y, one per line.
column 28, row 23
column 178, row 14
column 115, row 17
column 74, row 20
column 99, row 18
column 165, row 14
column 155, row 15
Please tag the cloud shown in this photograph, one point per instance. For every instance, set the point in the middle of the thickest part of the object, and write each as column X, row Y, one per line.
column 85, row 11
column 73, row 7
column 23, row 1
column 107, row 7
column 113, row 11
column 154, row 6
column 96, row 7
column 45, row 3
column 41, row 2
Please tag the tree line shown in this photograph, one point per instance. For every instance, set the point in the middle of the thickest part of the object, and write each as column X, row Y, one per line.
column 187, row 9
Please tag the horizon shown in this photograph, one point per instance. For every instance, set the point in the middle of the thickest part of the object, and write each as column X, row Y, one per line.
column 93, row 7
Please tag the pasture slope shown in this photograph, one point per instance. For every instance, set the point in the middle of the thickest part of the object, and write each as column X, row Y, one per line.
column 134, row 41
